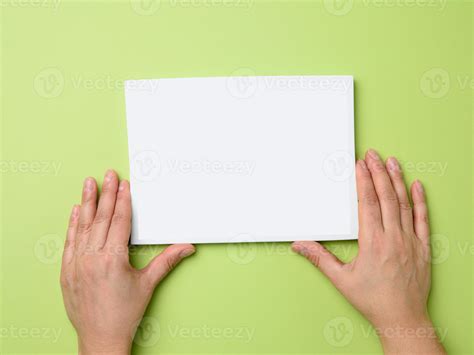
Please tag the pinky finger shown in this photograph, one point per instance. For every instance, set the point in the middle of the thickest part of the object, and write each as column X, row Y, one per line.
column 71, row 235
column 420, row 211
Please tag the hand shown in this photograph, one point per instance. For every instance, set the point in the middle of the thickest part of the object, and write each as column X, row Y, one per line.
column 105, row 297
column 389, row 280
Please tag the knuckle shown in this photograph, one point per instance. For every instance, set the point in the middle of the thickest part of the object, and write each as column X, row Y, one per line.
column 378, row 167
column 169, row 265
column 389, row 196
column 84, row 227
column 119, row 217
column 422, row 217
column 314, row 258
column 107, row 189
column 102, row 216
column 405, row 206
column 68, row 244
column 369, row 200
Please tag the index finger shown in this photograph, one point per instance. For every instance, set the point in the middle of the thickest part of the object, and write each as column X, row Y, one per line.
column 120, row 226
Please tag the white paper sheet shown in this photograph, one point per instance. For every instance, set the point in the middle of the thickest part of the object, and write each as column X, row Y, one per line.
column 242, row 159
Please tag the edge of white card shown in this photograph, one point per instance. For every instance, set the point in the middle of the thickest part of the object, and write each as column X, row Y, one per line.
column 245, row 237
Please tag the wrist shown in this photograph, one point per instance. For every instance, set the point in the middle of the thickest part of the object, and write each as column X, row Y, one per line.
column 403, row 320
column 88, row 347
column 416, row 335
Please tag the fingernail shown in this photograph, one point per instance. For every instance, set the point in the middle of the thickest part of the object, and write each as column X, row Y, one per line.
column 75, row 212
column 300, row 249
column 362, row 164
column 419, row 187
column 108, row 176
column 296, row 247
column 186, row 253
column 392, row 164
column 122, row 185
column 373, row 154
column 89, row 184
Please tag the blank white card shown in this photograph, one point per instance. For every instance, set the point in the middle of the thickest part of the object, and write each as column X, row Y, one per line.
column 242, row 159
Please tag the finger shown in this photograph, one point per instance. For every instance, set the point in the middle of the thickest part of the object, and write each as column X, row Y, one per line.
column 68, row 253
column 322, row 258
column 370, row 217
column 420, row 211
column 87, row 214
column 163, row 263
column 396, row 176
column 105, row 210
column 385, row 192
column 120, row 226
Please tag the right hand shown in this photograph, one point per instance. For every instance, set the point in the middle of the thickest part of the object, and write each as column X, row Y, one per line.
column 389, row 280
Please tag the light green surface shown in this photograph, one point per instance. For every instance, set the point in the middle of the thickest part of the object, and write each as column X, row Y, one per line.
column 77, row 125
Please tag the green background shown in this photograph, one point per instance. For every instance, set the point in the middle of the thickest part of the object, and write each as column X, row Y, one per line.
column 413, row 68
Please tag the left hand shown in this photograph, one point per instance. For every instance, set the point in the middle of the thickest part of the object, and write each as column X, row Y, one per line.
column 105, row 297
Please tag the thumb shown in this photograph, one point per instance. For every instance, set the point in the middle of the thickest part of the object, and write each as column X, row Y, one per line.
column 163, row 263
column 322, row 258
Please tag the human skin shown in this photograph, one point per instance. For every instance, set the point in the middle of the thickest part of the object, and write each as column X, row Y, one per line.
column 389, row 280
column 105, row 297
